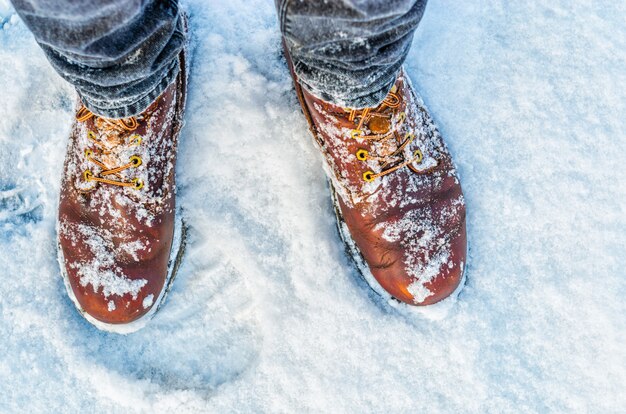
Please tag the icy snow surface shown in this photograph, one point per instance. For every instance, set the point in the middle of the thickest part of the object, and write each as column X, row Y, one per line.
column 266, row 314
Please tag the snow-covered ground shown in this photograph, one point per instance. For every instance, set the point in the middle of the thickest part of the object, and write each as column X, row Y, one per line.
column 267, row 314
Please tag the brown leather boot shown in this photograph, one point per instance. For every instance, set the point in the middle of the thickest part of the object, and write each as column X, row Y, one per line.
column 398, row 200
column 119, row 241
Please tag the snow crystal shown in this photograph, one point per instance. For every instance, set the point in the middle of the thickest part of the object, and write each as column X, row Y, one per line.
column 419, row 291
column 111, row 282
column 132, row 248
column 148, row 301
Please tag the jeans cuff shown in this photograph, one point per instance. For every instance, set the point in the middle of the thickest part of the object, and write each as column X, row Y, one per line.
column 370, row 100
column 125, row 109
column 371, row 97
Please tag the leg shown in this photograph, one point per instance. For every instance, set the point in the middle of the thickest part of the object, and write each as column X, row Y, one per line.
column 349, row 52
column 120, row 55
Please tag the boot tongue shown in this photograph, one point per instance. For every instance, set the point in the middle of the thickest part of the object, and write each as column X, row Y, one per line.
column 111, row 160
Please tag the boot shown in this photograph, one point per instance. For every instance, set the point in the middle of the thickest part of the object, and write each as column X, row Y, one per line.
column 120, row 240
column 398, row 200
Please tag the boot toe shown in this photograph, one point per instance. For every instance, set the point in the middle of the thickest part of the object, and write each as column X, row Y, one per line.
column 430, row 281
column 114, row 309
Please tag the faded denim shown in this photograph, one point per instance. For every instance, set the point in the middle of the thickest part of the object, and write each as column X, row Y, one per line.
column 120, row 55
column 349, row 52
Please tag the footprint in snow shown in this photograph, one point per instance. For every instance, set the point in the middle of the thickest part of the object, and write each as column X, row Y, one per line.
column 8, row 17
column 17, row 207
column 206, row 334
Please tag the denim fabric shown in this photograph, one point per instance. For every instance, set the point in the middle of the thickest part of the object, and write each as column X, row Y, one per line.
column 120, row 55
column 349, row 52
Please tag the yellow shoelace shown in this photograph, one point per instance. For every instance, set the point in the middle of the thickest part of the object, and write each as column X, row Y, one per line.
column 391, row 160
column 118, row 130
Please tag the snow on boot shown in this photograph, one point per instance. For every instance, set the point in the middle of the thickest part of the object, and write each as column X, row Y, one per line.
column 120, row 237
column 397, row 197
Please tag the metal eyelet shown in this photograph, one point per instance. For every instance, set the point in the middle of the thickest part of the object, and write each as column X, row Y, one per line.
column 356, row 133
column 138, row 183
column 135, row 161
column 419, row 156
column 135, row 140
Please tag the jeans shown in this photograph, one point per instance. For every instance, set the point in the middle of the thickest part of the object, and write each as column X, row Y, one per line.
column 348, row 52
column 120, row 55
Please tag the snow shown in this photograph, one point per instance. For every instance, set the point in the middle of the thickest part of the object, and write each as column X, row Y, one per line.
column 97, row 272
column 148, row 301
column 266, row 314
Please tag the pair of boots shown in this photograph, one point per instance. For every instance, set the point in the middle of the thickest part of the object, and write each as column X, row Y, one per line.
column 399, row 205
